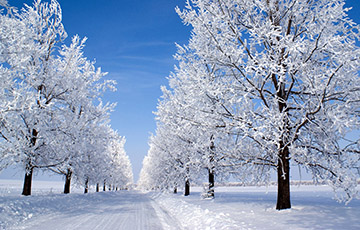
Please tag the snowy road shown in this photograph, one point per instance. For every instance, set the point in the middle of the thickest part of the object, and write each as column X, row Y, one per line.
column 110, row 210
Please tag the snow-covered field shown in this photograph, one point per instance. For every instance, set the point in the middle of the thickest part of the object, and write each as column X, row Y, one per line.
column 233, row 208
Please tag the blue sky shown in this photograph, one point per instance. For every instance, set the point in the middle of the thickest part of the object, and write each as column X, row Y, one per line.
column 133, row 40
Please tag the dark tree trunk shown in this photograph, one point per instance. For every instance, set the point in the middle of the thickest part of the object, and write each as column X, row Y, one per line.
column 283, row 173
column 29, row 168
column 86, row 186
column 104, row 187
column 116, row 188
column 67, row 181
column 211, row 192
column 283, row 166
column 97, row 187
column 175, row 190
column 187, row 187
column 27, row 182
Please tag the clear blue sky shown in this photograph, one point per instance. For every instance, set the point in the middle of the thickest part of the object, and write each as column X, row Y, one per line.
column 133, row 40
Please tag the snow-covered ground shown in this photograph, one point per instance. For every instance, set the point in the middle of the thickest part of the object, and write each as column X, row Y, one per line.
column 233, row 208
column 47, row 209
column 313, row 207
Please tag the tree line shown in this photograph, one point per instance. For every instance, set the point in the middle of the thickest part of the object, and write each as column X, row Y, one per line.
column 52, row 116
column 261, row 84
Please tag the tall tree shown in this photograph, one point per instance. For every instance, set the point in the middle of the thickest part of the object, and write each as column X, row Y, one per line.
column 27, row 128
column 15, row 96
column 292, row 68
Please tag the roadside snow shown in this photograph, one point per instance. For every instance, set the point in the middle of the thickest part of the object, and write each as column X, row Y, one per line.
column 192, row 216
column 313, row 207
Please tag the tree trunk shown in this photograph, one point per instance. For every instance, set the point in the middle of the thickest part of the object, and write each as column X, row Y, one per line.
column 27, row 181
column 211, row 192
column 283, row 166
column 104, row 187
column 67, row 181
column 283, row 171
column 29, row 168
column 187, row 187
column 175, row 189
column 86, row 186
column 97, row 187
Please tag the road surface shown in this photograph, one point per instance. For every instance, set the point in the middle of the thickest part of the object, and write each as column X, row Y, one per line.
column 110, row 210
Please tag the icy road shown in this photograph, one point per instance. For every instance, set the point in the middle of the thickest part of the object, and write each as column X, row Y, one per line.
column 110, row 210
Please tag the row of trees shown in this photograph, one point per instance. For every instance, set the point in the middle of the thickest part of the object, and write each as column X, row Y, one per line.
column 51, row 113
column 262, row 83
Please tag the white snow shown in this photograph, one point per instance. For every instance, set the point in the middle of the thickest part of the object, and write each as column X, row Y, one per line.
column 313, row 207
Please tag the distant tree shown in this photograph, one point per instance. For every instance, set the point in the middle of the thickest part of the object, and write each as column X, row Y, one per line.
column 103, row 159
column 122, row 166
column 194, row 107
column 188, row 129
column 292, row 69
column 118, row 171
column 162, row 168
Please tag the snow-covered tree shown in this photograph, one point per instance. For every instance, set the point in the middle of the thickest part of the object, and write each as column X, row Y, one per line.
column 15, row 96
column 52, row 116
column 84, row 88
column 189, row 128
column 27, row 128
column 164, row 167
column 105, row 160
column 292, row 68
column 120, row 170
